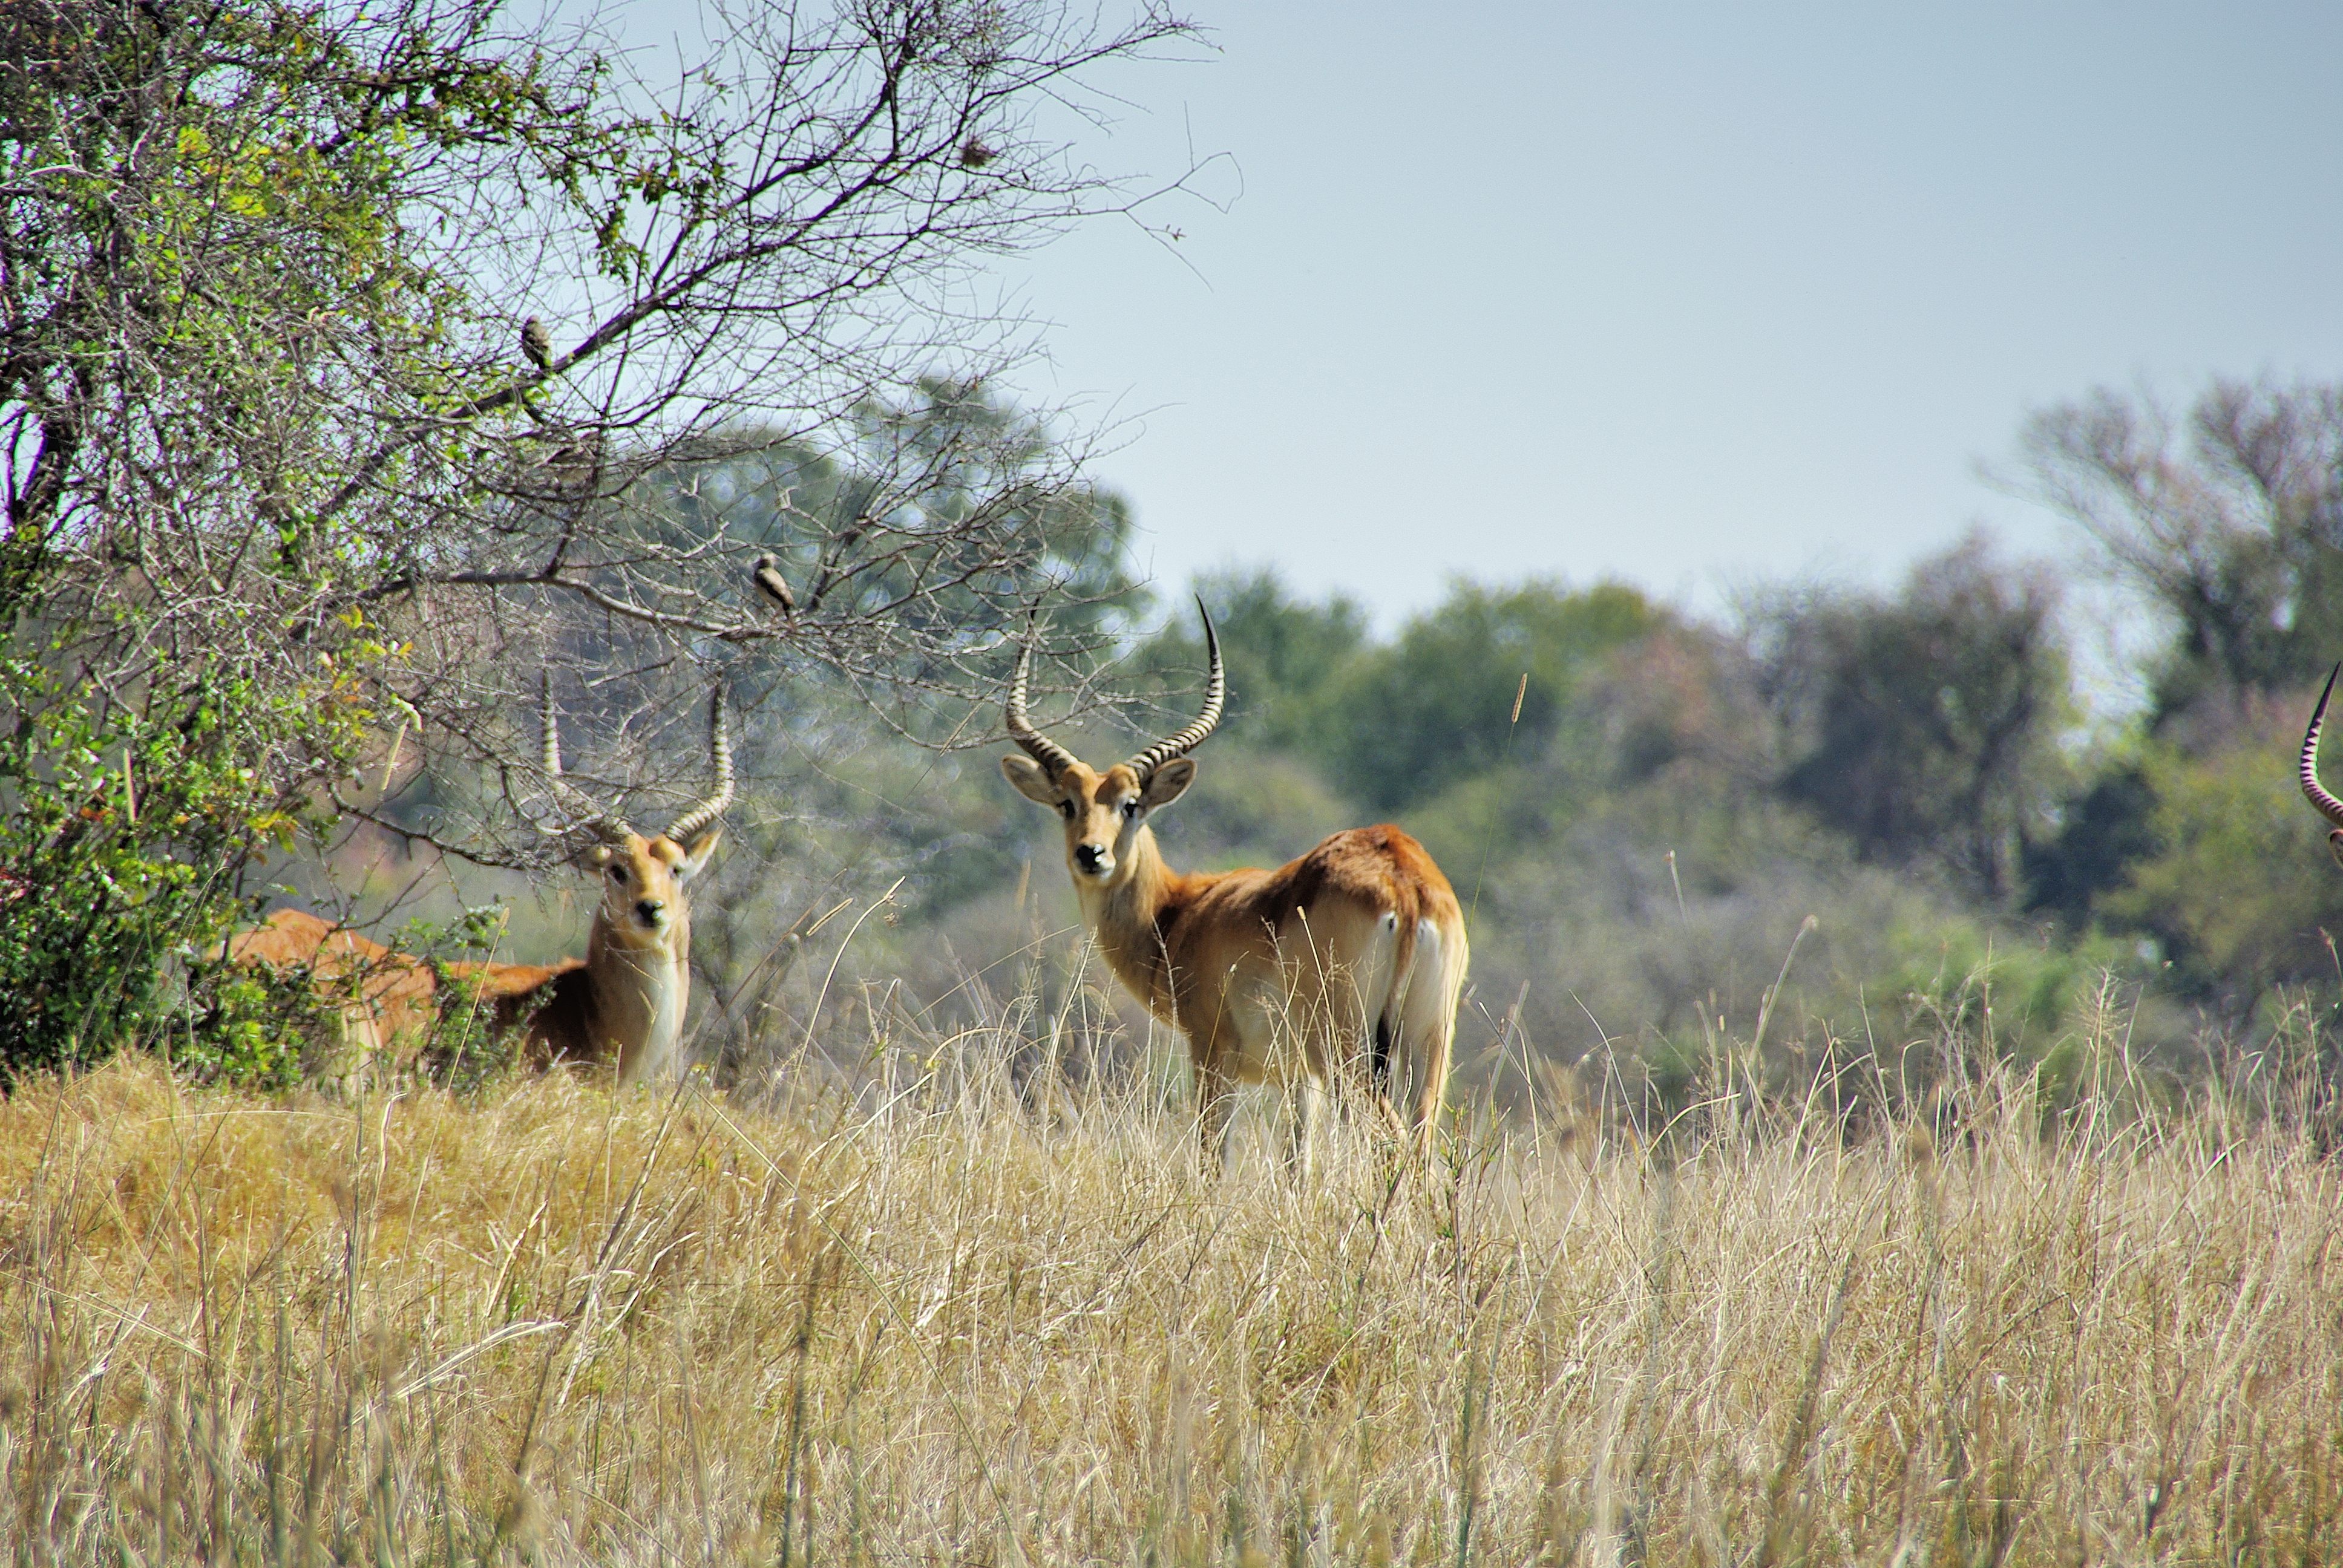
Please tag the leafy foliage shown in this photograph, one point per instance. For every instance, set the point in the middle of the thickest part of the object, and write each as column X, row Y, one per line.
column 1394, row 724
column 1294, row 650
column 2233, row 888
column 1438, row 706
column 1925, row 727
column 263, row 413
column 2228, row 520
column 132, row 816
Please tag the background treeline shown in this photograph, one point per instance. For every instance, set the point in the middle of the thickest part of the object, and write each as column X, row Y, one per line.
column 293, row 533
column 1826, row 821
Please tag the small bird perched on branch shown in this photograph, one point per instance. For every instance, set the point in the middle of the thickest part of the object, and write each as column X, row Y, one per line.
column 576, row 465
column 775, row 585
column 537, row 343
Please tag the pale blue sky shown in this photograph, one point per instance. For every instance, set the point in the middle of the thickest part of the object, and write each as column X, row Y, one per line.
column 1683, row 294
column 1688, row 294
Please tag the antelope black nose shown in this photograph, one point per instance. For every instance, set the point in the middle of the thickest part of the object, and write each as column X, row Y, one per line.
column 648, row 910
column 1089, row 856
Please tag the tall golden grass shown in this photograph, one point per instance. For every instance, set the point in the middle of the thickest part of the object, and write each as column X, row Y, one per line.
column 930, row 1317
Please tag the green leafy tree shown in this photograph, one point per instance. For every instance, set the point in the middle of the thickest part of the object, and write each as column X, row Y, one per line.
column 1924, row 727
column 2228, row 520
column 128, row 820
column 2096, row 836
column 1437, row 705
column 939, row 480
column 1287, row 655
column 1391, row 724
column 269, row 429
column 2235, row 887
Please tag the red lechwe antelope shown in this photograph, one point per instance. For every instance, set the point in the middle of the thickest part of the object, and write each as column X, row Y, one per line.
column 1348, row 961
column 2328, row 806
column 624, row 1004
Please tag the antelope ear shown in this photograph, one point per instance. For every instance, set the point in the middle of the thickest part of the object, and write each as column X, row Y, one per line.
column 1170, row 783
column 696, row 851
column 1031, row 781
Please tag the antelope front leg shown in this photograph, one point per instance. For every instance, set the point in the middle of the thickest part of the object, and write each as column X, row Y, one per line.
column 1216, row 1096
column 1305, row 1101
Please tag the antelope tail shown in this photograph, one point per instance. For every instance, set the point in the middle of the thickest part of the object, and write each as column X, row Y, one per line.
column 1389, row 1028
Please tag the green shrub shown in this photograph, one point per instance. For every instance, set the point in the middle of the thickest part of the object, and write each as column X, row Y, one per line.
column 133, row 820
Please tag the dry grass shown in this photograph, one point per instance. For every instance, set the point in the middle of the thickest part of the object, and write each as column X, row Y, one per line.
column 938, row 1324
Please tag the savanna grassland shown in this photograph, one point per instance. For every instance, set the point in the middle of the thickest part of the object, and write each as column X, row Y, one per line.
column 928, row 1318
column 394, row 387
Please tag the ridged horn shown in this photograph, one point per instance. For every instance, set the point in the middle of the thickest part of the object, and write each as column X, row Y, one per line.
column 584, row 812
column 1044, row 750
column 720, row 751
column 549, row 756
column 1216, row 688
column 2328, row 806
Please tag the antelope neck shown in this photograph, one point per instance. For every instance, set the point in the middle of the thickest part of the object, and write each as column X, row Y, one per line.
column 1131, row 918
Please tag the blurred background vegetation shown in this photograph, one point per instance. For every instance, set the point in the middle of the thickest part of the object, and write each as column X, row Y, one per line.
column 1828, row 822
column 260, row 639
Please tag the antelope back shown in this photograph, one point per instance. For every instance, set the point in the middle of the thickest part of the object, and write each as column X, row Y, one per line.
column 392, row 995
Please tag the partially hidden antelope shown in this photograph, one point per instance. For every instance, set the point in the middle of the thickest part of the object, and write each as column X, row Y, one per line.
column 623, row 1004
column 2328, row 806
column 1348, row 962
column 383, row 996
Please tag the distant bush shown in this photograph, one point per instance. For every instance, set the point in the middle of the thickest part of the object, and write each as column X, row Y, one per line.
column 2235, row 890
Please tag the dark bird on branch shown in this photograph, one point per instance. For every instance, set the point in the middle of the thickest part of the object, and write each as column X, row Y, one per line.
column 775, row 585
column 537, row 343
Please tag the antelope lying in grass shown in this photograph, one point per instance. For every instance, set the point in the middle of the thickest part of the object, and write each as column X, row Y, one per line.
column 1349, row 960
column 623, row 1003
column 384, row 995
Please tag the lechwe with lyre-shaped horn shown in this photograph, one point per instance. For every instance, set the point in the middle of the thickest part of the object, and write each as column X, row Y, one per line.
column 624, row 1004
column 2328, row 806
column 1348, row 961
